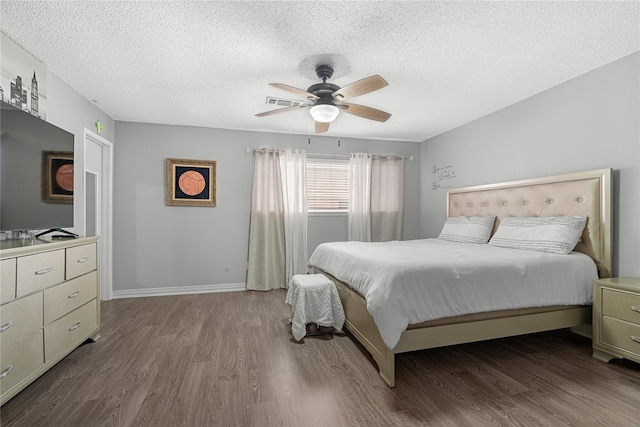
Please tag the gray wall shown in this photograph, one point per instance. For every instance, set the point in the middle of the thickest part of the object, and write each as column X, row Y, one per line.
column 587, row 123
column 68, row 110
column 158, row 246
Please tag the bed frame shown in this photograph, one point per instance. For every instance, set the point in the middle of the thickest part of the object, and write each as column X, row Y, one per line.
column 584, row 193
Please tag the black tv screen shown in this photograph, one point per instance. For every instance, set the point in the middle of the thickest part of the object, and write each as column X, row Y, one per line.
column 36, row 173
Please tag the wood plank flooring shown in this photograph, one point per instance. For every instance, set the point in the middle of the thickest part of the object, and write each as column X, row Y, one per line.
column 229, row 359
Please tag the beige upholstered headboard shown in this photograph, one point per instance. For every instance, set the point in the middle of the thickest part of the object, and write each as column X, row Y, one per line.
column 583, row 193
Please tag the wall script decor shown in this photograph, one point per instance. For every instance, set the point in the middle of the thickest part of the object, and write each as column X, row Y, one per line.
column 190, row 182
column 18, row 67
column 444, row 177
column 57, row 176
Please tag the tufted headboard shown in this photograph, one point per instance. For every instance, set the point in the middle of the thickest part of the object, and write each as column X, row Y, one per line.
column 583, row 193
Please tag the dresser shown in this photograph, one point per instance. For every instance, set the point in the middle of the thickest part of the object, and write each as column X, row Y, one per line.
column 50, row 304
column 616, row 319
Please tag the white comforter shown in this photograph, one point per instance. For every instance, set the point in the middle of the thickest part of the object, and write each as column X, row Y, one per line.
column 413, row 281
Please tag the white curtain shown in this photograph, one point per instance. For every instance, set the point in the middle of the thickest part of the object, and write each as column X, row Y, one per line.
column 386, row 198
column 359, row 217
column 266, row 269
column 293, row 164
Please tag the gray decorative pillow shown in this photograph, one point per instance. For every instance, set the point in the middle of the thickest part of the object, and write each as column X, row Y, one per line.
column 555, row 234
column 467, row 229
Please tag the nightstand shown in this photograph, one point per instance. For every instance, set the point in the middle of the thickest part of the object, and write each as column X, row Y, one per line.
column 616, row 319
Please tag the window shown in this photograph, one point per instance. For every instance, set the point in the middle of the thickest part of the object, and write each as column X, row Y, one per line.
column 327, row 185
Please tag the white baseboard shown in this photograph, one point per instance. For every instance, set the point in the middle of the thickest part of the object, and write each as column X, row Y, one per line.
column 178, row 290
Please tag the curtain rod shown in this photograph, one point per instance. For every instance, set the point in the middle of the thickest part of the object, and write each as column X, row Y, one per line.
column 337, row 156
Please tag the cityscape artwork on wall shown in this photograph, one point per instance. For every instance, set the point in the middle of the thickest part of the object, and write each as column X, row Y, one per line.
column 18, row 67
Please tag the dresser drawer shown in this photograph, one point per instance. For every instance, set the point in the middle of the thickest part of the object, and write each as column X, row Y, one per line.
column 66, row 297
column 36, row 272
column 19, row 318
column 621, row 305
column 7, row 280
column 620, row 334
column 81, row 260
column 73, row 328
column 19, row 360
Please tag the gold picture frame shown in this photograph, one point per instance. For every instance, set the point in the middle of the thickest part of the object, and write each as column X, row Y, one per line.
column 57, row 176
column 190, row 182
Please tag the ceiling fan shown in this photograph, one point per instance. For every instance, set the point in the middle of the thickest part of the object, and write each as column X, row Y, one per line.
column 326, row 99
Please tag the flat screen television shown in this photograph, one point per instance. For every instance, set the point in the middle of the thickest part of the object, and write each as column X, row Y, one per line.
column 36, row 173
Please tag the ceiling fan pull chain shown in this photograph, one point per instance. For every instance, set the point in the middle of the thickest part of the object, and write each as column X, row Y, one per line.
column 309, row 128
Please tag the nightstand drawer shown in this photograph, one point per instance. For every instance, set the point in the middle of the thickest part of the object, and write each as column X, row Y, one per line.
column 66, row 297
column 621, row 305
column 73, row 328
column 19, row 318
column 622, row 335
column 19, row 360
column 36, row 272
column 81, row 260
column 7, row 280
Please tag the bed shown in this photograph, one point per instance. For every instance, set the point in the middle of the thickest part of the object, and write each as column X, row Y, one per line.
column 584, row 193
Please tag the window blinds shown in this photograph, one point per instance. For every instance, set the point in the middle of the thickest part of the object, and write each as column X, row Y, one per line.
column 327, row 184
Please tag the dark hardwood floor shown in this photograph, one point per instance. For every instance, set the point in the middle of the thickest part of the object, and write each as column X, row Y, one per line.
column 229, row 359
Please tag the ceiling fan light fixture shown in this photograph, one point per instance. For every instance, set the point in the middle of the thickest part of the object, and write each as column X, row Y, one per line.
column 324, row 113
column 325, row 100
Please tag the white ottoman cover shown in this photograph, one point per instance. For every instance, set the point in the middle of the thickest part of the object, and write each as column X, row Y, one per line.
column 313, row 298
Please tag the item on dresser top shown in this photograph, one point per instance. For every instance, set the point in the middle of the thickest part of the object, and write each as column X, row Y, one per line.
column 36, row 172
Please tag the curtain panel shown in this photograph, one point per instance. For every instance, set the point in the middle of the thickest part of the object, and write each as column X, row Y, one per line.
column 359, row 214
column 387, row 183
column 278, row 229
column 375, row 198
column 293, row 164
column 266, row 269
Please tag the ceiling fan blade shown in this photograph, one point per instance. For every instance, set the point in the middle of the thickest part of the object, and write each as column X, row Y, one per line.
column 281, row 110
column 366, row 112
column 366, row 85
column 322, row 127
column 295, row 90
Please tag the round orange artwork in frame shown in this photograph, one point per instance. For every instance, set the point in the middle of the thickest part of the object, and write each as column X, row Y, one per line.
column 192, row 183
column 64, row 177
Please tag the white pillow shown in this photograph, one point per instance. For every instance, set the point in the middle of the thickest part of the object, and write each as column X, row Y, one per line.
column 555, row 234
column 467, row 229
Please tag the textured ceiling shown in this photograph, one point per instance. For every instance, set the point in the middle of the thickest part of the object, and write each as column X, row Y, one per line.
column 209, row 63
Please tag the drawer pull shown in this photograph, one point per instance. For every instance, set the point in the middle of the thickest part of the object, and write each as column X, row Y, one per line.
column 45, row 271
column 636, row 309
column 635, row 339
column 75, row 294
column 6, row 372
column 81, row 260
column 74, row 327
column 7, row 326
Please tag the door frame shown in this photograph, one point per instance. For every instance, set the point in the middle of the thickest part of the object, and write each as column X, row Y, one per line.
column 105, row 242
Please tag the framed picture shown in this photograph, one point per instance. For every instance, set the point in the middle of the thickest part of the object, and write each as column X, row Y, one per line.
column 23, row 79
column 190, row 182
column 57, row 176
